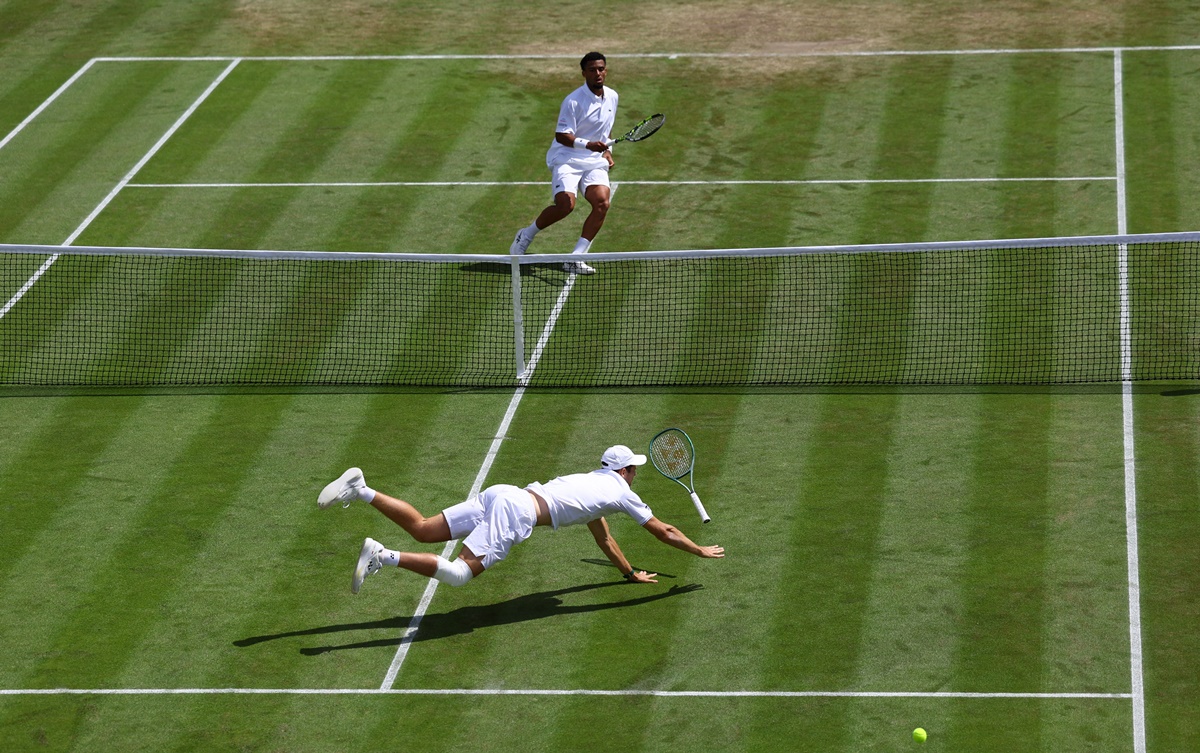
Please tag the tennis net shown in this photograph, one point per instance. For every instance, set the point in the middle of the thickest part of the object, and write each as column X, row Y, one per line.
column 1042, row 311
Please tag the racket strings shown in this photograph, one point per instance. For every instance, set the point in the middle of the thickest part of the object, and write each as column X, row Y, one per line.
column 671, row 455
column 646, row 127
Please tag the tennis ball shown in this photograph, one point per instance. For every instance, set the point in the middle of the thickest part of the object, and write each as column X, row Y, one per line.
column 919, row 735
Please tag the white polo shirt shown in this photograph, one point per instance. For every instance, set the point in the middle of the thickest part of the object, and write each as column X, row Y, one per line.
column 584, row 497
column 588, row 117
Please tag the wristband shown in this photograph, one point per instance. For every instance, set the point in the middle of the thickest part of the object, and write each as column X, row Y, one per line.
column 629, row 575
column 581, row 143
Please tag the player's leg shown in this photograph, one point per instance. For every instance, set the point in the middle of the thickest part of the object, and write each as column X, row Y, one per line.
column 564, row 188
column 599, row 196
column 597, row 193
column 463, row 519
column 352, row 486
column 426, row 530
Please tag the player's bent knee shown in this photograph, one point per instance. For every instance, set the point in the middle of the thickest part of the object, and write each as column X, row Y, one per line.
column 456, row 573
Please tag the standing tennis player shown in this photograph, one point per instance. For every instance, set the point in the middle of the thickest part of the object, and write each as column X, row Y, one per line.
column 501, row 516
column 578, row 159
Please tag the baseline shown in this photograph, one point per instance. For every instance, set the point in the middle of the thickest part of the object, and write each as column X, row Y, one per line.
column 562, row 692
column 664, row 55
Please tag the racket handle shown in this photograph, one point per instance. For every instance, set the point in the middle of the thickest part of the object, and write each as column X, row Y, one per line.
column 700, row 507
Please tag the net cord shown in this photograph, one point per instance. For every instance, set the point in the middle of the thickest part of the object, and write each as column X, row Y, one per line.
column 435, row 258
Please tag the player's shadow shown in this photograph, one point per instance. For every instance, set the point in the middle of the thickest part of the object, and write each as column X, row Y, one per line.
column 464, row 620
column 550, row 273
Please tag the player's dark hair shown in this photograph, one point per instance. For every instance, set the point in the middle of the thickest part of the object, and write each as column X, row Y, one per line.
column 590, row 57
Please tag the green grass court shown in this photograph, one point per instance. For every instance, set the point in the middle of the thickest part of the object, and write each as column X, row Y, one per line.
column 958, row 559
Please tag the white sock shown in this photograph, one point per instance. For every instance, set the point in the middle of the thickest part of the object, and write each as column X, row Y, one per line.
column 532, row 230
column 390, row 558
column 581, row 246
column 366, row 493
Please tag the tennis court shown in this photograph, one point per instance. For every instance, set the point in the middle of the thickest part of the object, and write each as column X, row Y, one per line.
column 1009, row 567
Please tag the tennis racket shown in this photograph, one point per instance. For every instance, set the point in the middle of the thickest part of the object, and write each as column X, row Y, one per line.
column 673, row 456
column 643, row 130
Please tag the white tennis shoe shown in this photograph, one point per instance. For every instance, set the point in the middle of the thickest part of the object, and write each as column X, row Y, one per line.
column 345, row 489
column 578, row 268
column 368, row 563
column 520, row 243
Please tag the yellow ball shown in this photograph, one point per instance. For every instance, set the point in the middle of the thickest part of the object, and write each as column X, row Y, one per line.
column 919, row 735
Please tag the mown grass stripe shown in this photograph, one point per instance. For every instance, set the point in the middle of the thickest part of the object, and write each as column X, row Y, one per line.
column 146, row 565
column 1168, row 488
column 1160, row 93
column 817, row 624
column 92, row 426
column 256, row 224
column 284, row 563
column 46, row 44
column 910, row 631
column 1152, row 201
column 49, row 164
column 1086, row 645
column 88, row 516
column 1002, row 639
column 747, row 299
column 46, row 103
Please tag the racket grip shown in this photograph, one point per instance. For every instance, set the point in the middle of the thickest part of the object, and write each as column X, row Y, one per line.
column 700, row 507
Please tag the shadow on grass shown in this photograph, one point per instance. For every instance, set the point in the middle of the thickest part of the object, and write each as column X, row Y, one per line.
column 550, row 273
column 465, row 620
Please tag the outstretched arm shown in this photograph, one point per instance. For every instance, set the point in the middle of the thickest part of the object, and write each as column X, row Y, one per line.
column 669, row 534
column 608, row 545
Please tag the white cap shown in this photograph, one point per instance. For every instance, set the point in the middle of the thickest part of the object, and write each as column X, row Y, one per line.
column 619, row 456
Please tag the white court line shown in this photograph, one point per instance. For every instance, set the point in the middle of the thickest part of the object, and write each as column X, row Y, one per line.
column 49, row 100
column 410, row 632
column 1131, row 534
column 561, row 692
column 542, row 183
column 148, row 155
column 116, row 189
column 663, row 55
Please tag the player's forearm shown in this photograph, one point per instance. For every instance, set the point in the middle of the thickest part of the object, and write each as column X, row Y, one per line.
column 615, row 555
column 673, row 536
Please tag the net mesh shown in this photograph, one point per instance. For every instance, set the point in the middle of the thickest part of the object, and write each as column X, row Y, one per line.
column 1043, row 313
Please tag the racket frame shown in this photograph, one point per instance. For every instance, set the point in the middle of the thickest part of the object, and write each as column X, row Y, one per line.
column 690, row 486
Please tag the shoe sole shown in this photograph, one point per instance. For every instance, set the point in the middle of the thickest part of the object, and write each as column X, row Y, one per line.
column 369, row 547
column 330, row 493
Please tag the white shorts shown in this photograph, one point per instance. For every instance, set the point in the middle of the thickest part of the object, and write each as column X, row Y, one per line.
column 493, row 521
column 576, row 179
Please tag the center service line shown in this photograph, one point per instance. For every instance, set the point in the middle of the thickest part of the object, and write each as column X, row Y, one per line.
column 431, row 588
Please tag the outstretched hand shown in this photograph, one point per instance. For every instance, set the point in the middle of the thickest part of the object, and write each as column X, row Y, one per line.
column 713, row 552
column 641, row 576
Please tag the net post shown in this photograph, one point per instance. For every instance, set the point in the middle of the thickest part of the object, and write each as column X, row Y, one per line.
column 518, row 318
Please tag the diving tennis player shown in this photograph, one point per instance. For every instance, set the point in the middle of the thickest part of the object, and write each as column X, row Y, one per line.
column 502, row 516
